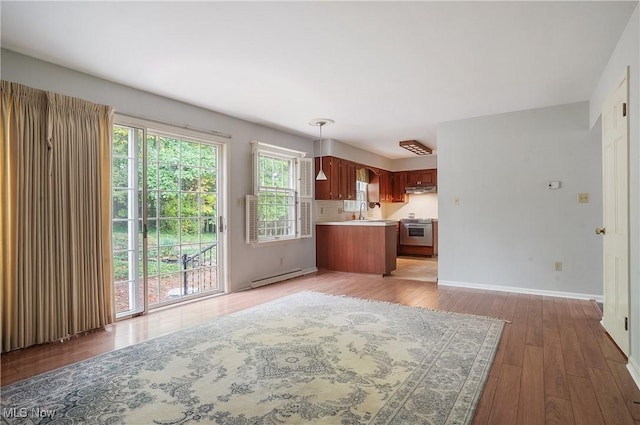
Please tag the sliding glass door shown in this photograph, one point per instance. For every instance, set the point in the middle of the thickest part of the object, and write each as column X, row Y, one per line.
column 166, row 204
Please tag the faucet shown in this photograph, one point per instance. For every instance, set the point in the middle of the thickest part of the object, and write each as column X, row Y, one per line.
column 360, row 216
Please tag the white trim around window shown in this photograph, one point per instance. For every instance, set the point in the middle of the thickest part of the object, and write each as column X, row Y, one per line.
column 281, row 205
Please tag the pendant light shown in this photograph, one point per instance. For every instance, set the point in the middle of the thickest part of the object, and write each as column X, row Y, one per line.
column 320, row 122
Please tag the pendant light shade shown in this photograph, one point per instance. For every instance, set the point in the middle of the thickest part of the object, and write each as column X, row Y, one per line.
column 321, row 122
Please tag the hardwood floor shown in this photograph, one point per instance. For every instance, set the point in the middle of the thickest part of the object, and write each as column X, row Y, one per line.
column 554, row 364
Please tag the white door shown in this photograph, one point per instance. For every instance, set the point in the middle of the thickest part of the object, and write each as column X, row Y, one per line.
column 615, row 233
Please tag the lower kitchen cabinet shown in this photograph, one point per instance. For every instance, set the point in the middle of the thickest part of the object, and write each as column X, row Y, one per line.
column 356, row 248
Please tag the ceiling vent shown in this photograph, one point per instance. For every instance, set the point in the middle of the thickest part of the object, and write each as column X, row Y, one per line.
column 415, row 147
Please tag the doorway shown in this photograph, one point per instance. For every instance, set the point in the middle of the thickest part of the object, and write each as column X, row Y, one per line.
column 167, row 241
column 416, row 268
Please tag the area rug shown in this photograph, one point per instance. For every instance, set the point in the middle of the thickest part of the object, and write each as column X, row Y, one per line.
column 304, row 358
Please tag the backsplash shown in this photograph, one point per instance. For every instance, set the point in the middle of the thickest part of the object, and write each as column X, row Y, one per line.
column 329, row 211
column 334, row 211
column 423, row 206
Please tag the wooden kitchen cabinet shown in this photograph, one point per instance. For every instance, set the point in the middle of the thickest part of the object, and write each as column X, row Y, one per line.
column 357, row 248
column 347, row 180
column 422, row 177
column 323, row 187
column 384, row 181
column 341, row 179
column 398, row 184
column 392, row 186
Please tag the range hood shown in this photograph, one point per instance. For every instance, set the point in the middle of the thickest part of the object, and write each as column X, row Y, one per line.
column 421, row 189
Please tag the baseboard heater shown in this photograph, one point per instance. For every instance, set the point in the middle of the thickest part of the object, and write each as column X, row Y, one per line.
column 276, row 278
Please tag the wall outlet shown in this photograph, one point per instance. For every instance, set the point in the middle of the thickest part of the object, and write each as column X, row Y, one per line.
column 557, row 266
column 583, row 198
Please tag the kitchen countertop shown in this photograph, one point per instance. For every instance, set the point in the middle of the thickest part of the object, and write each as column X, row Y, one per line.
column 379, row 223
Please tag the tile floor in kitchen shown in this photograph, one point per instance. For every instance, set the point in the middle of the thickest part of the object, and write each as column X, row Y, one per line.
column 416, row 268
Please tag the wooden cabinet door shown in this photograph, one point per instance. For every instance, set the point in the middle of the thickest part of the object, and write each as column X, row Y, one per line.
column 334, row 177
column 347, row 180
column 421, row 177
column 398, row 183
column 427, row 177
column 412, row 178
column 329, row 189
column 385, row 185
column 323, row 187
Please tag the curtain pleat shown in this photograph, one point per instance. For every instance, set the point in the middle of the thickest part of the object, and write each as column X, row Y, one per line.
column 57, row 278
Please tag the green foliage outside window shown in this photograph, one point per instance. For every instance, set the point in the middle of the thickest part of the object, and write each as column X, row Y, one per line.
column 276, row 197
column 181, row 181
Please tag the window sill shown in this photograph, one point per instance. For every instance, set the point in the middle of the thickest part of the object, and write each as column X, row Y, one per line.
column 271, row 242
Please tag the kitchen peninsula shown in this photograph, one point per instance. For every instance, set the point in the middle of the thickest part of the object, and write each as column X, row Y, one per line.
column 357, row 246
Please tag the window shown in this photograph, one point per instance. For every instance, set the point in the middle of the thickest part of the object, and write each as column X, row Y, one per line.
column 361, row 196
column 280, row 207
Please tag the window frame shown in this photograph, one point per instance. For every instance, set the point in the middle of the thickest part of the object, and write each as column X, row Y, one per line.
column 300, row 188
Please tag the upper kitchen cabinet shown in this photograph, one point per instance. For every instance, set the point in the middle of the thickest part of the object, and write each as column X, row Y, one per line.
column 391, row 186
column 323, row 187
column 398, row 184
column 341, row 179
column 347, row 179
column 384, row 184
column 422, row 177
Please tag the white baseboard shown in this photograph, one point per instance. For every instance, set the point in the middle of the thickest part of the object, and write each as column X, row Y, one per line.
column 278, row 277
column 576, row 295
column 634, row 369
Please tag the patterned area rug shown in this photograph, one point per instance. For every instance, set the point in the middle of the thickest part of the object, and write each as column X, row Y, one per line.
column 305, row 358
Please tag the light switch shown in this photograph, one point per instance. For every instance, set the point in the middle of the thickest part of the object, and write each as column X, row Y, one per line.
column 583, row 198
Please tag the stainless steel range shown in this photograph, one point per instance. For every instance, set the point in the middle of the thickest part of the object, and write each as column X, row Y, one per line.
column 416, row 231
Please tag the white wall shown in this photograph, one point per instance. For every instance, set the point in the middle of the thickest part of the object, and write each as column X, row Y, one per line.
column 245, row 262
column 338, row 149
column 418, row 162
column 627, row 53
column 509, row 229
